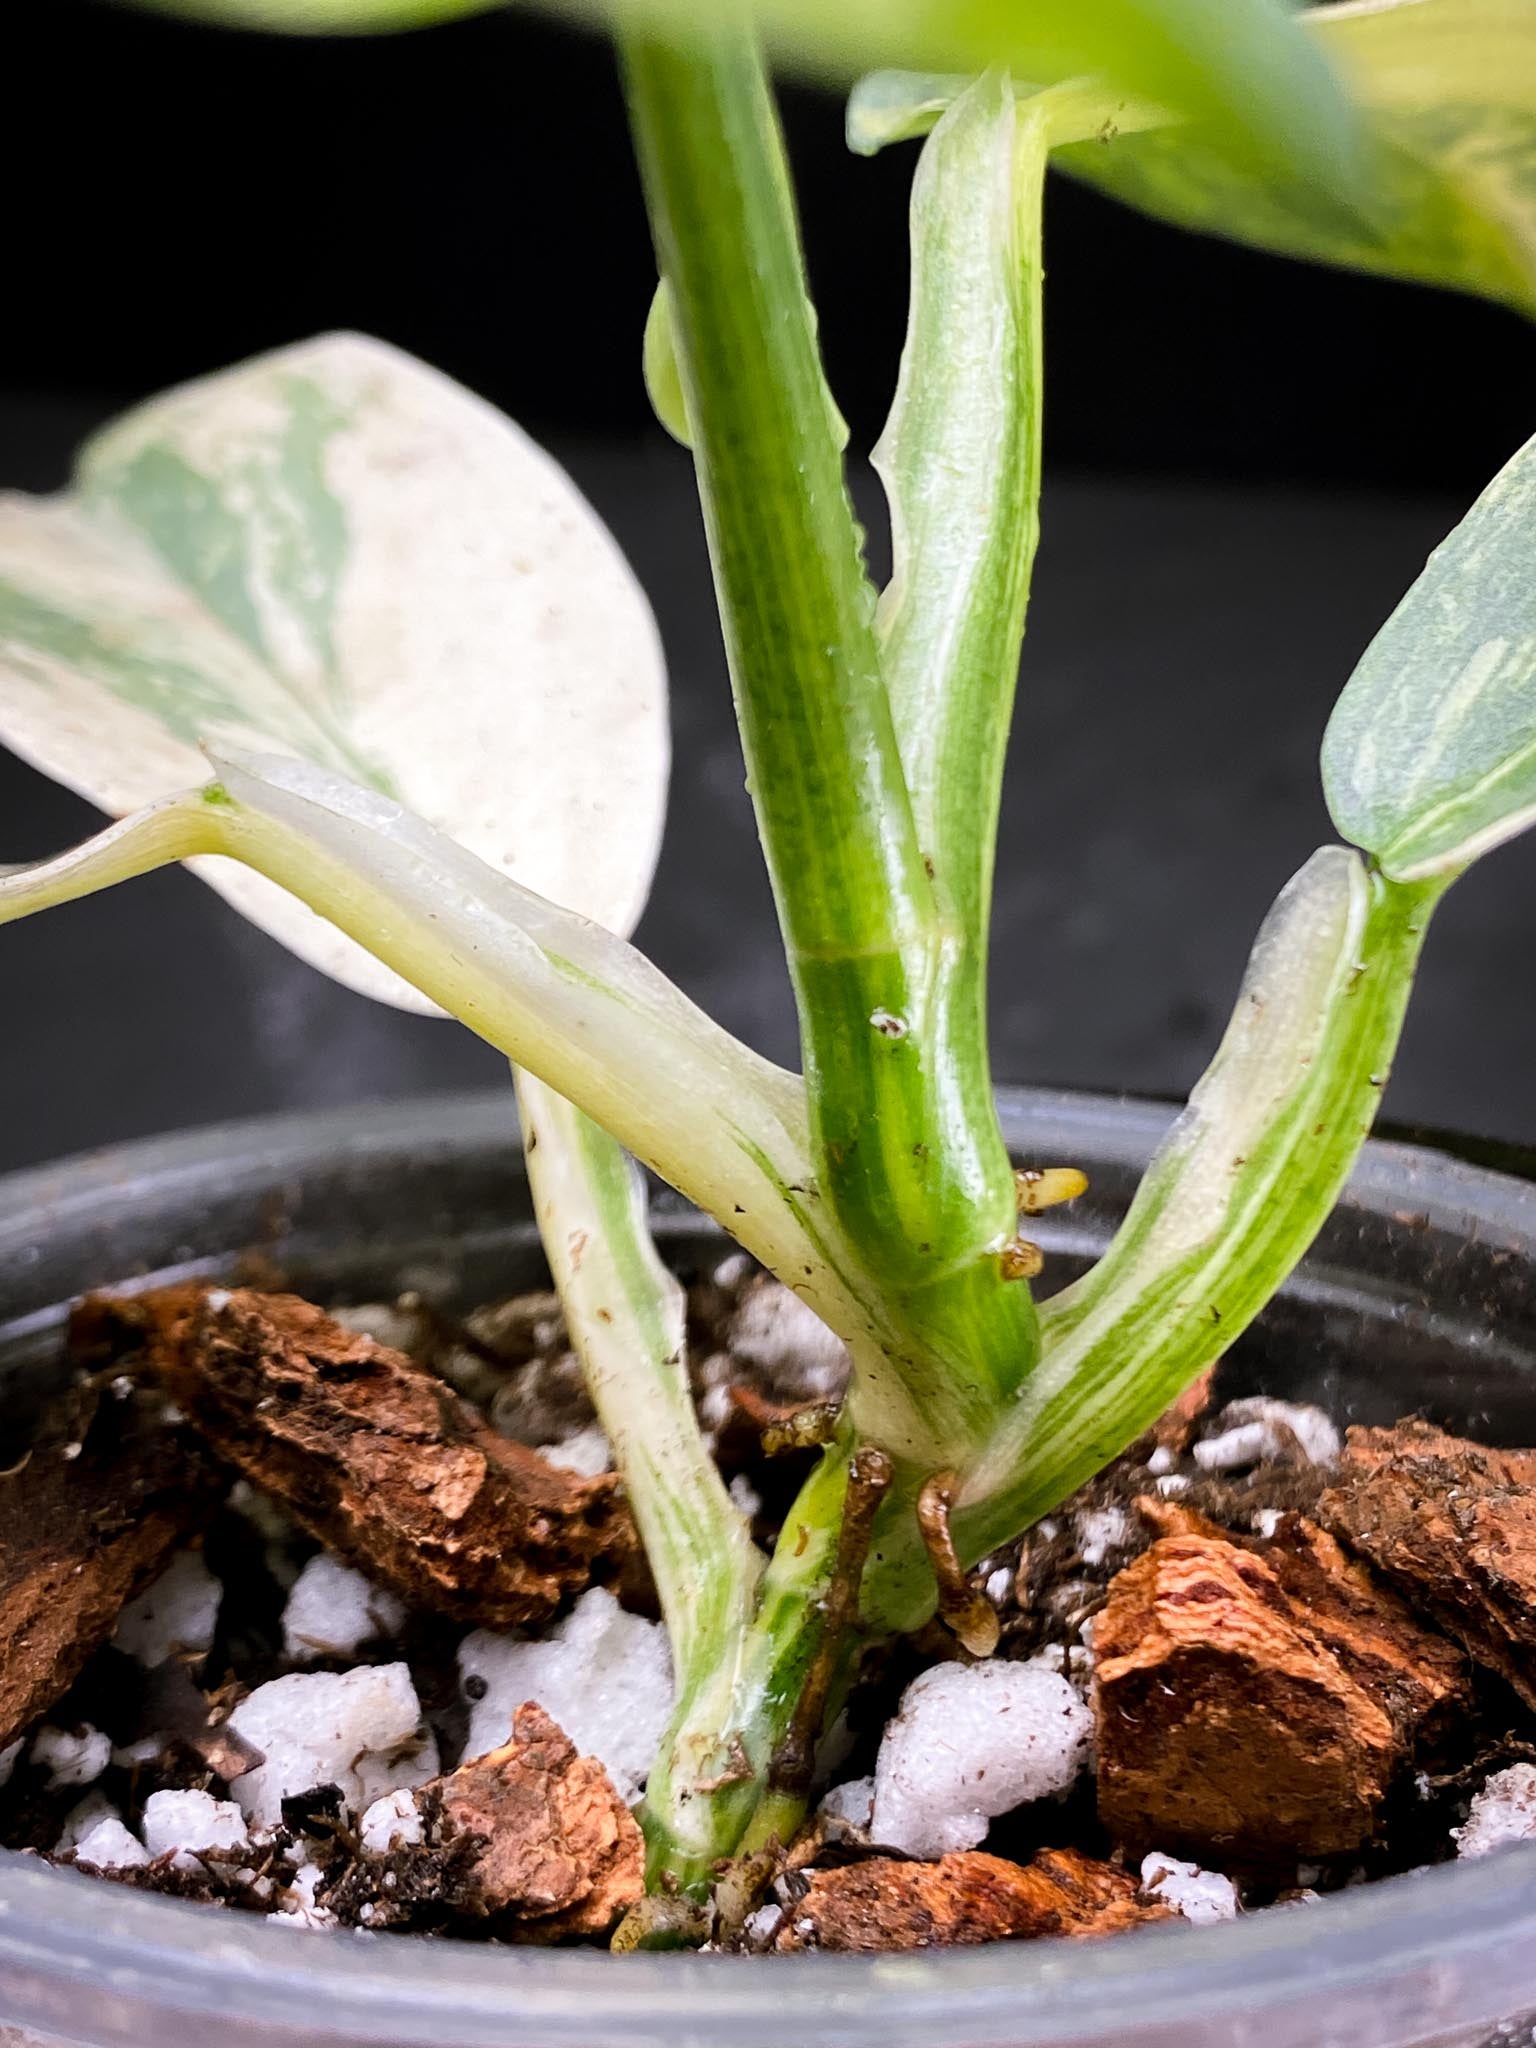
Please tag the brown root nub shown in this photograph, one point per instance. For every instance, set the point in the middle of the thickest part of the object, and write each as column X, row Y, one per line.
column 86, row 1522
column 961, row 1901
column 1254, row 1710
column 562, row 1855
column 380, row 1460
column 1042, row 1187
column 963, row 1608
column 1453, row 1524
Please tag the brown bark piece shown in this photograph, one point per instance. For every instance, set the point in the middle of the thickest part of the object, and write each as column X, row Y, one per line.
column 1175, row 1428
column 961, row 1901
column 1416, row 1675
column 1253, row 1710
column 563, row 1855
column 381, row 1460
column 85, row 1524
column 1453, row 1524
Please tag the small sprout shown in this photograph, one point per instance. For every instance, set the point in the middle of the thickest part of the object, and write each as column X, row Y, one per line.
column 1043, row 1187
column 1020, row 1259
column 888, row 1024
column 968, row 1613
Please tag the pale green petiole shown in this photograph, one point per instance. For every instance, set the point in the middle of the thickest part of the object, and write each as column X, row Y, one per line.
column 1235, row 1196
column 565, row 999
column 626, row 1317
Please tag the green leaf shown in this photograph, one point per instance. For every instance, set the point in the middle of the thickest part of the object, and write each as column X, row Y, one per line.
column 1241, row 65
column 1237, row 1192
column 1448, row 88
column 1430, row 755
column 323, row 17
column 1447, row 93
column 336, row 552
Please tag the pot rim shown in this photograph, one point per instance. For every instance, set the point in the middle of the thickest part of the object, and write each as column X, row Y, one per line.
column 1451, row 1945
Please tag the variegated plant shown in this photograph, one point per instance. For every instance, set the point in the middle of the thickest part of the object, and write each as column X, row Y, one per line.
column 431, row 700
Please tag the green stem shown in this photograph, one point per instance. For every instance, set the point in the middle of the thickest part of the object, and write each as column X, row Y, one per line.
column 910, row 1161
column 709, row 1777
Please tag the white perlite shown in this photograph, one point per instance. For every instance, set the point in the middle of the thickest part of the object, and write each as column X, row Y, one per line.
column 393, row 1822
column 605, row 1676
column 359, row 1730
column 1260, row 1428
column 299, row 1899
column 94, row 1808
column 853, row 1802
column 332, row 1610
column 775, row 1332
column 1504, row 1811
column 176, row 1616
column 1102, row 1531
column 71, row 1759
column 1199, row 1896
column 108, row 1845
column 189, row 1822
column 972, row 1742
column 586, row 1453
column 386, row 1322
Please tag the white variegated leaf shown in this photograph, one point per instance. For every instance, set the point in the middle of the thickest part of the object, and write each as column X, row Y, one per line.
column 1430, row 756
column 1234, row 1195
column 336, row 552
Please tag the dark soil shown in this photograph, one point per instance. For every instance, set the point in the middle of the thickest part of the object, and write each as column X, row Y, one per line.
column 1412, row 1658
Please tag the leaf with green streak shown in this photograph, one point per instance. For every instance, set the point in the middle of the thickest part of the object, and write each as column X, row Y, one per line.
column 1241, row 65
column 1235, row 1195
column 960, row 461
column 338, row 553
column 1430, row 756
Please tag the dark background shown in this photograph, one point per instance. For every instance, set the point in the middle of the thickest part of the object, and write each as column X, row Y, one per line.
column 1247, row 461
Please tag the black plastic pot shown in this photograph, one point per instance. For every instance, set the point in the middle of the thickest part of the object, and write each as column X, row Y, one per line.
column 1420, row 1295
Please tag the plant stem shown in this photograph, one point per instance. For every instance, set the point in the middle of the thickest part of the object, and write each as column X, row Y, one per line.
column 910, row 1160
column 627, row 1322
column 723, row 1778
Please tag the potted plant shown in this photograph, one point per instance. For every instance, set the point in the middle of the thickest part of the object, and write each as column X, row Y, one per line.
column 323, row 566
